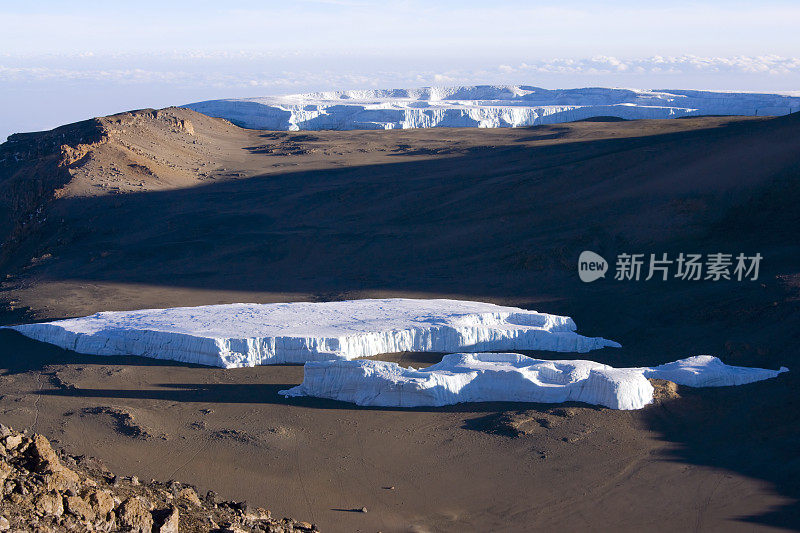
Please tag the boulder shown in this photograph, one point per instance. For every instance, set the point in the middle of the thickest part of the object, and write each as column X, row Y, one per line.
column 51, row 504
column 190, row 496
column 80, row 508
column 12, row 441
column 171, row 523
column 135, row 515
column 101, row 501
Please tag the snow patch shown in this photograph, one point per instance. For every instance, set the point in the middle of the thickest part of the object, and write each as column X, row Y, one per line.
column 508, row 377
column 483, row 106
column 239, row 335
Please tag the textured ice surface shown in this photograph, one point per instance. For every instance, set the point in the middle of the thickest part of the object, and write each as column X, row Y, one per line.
column 482, row 106
column 487, row 377
column 238, row 335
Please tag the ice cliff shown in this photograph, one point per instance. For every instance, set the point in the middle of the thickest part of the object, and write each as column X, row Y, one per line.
column 482, row 106
column 238, row 335
column 484, row 377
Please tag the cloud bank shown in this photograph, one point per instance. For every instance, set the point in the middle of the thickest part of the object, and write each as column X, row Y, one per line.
column 259, row 70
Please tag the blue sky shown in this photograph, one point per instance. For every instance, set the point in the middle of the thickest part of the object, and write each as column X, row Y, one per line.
column 61, row 62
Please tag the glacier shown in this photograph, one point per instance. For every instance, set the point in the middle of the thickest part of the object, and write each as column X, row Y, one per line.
column 483, row 106
column 509, row 377
column 241, row 335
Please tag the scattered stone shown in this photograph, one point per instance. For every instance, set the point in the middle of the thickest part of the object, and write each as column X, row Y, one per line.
column 12, row 441
column 50, row 504
column 5, row 470
column 171, row 523
column 124, row 421
column 259, row 513
column 45, row 461
column 62, row 480
column 190, row 496
column 239, row 506
column 4, row 524
column 135, row 514
column 79, row 507
column 44, row 456
column 102, row 502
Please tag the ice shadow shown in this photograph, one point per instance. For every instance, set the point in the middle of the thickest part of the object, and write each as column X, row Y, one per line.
column 267, row 394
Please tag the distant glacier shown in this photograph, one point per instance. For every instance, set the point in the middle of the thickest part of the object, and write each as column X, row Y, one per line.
column 482, row 106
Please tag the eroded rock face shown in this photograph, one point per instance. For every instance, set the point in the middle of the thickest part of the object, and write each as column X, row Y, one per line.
column 39, row 492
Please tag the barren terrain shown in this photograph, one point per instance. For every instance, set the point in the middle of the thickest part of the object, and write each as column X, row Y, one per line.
column 169, row 208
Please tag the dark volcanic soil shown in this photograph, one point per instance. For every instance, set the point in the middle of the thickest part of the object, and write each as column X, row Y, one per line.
column 173, row 208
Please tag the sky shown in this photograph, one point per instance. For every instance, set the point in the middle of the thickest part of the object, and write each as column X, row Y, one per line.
column 66, row 61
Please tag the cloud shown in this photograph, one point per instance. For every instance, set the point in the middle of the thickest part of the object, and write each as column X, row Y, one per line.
column 270, row 74
column 685, row 64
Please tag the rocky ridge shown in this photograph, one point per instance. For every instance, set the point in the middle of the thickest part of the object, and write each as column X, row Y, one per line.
column 126, row 152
